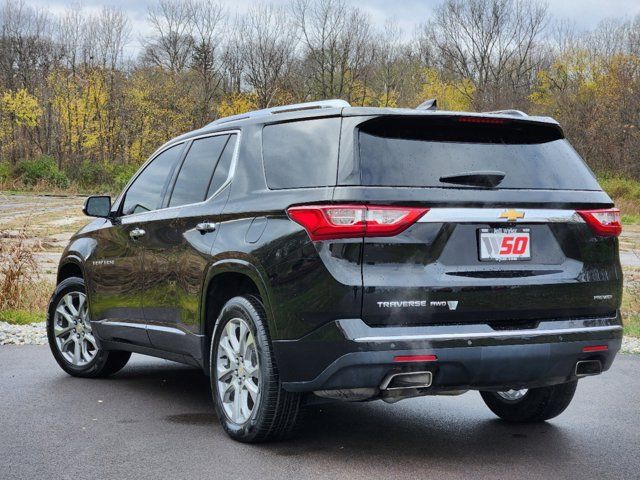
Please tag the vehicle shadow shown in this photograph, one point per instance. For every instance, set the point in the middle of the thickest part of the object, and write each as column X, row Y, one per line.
column 442, row 429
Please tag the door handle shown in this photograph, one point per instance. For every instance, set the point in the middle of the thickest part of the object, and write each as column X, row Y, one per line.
column 136, row 233
column 206, row 227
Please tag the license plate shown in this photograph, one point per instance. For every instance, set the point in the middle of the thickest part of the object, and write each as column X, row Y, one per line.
column 504, row 244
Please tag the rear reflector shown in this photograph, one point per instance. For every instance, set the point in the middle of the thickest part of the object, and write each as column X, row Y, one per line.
column 326, row 222
column 415, row 358
column 595, row 348
column 605, row 222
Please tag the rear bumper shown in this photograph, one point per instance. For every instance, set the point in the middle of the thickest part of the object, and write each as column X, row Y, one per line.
column 348, row 354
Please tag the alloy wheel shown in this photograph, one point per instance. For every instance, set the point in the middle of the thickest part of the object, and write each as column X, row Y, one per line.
column 72, row 330
column 238, row 371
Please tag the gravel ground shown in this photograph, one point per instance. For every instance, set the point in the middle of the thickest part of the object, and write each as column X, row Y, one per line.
column 35, row 334
column 32, row 334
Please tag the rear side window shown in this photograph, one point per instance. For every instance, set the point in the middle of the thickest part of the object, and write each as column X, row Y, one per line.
column 145, row 193
column 301, row 154
column 196, row 170
column 224, row 166
column 401, row 151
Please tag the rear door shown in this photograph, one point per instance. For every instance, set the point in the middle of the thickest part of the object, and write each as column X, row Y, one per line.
column 180, row 238
column 502, row 242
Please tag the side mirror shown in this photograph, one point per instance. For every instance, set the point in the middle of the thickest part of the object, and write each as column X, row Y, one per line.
column 97, row 206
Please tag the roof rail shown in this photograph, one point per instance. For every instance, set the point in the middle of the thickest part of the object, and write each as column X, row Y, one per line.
column 515, row 113
column 335, row 103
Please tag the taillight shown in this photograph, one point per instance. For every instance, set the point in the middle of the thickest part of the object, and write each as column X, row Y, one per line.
column 326, row 222
column 605, row 222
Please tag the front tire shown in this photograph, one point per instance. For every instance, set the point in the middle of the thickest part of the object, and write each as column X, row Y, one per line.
column 250, row 402
column 534, row 405
column 71, row 338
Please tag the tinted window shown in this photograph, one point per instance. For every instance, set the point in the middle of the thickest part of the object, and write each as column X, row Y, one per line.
column 301, row 154
column 409, row 152
column 145, row 193
column 196, row 170
column 223, row 167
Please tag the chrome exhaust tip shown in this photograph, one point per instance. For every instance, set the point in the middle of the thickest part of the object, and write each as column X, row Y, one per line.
column 405, row 380
column 587, row 368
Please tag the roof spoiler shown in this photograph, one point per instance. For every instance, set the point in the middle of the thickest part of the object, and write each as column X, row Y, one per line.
column 432, row 104
column 512, row 112
column 334, row 103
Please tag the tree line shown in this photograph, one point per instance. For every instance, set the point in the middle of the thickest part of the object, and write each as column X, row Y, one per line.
column 95, row 99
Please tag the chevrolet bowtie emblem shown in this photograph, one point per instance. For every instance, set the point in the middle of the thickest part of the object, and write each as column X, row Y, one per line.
column 511, row 215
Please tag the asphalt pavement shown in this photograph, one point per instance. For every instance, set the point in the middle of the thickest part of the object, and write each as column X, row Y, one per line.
column 155, row 420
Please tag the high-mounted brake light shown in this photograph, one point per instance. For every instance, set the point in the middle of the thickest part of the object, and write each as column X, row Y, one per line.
column 327, row 222
column 486, row 120
column 605, row 222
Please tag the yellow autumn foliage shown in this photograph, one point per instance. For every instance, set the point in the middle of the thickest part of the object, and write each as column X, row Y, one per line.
column 79, row 103
column 237, row 103
column 21, row 107
column 451, row 94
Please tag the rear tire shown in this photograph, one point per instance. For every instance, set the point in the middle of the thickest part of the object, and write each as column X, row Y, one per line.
column 68, row 314
column 236, row 369
column 537, row 405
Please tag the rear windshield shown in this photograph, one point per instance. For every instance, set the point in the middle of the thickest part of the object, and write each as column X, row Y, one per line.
column 401, row 151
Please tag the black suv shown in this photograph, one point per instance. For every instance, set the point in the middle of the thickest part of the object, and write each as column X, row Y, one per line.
column 322, row 251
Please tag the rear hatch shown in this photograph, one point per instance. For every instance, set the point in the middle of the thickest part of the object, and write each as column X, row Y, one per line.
column 503, row 241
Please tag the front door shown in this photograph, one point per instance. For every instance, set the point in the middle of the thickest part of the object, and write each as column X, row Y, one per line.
column 117, row 263
column 114, row 284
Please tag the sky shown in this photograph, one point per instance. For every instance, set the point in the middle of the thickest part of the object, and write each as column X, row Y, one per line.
column 585, row 14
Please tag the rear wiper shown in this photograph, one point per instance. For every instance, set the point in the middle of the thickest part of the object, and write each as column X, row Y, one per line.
column 479, row 178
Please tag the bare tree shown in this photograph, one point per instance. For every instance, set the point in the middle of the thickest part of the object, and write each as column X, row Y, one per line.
column 495, row 43
column 614, row 36
column 233, row 59
column 26, row 52
column 27, row 57
column 336, row 45
column 393, row 59
column 171, row 46
column 268, row 44
column 111, row 31
column 208, row 20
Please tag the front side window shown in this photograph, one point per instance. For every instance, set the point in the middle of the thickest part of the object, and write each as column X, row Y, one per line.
column 196, row 171
column 145, row 193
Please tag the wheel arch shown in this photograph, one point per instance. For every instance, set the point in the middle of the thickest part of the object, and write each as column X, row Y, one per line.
column 70, row 266
column 226, row 279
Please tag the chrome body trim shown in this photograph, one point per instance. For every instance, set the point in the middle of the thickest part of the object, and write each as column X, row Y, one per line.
column 389, row 378
column 492, row 215
column 488, row 335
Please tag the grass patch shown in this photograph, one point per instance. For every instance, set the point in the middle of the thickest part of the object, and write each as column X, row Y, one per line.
column 625, row 193
column 632, row 325
column 630, row 219
column 631, row 311
column 23, row 293
column 21, row 317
